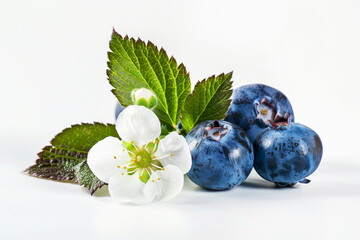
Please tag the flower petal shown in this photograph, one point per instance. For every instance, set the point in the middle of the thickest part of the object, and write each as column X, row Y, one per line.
column 264, row 112
column 175, row 147
column 105, row 157
column 138, row 124
column 170, row 184
column 128, row 189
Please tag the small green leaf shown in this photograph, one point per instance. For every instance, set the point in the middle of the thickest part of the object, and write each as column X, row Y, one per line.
column 133, row 64
column 85, row 177
column 65, row 158
column 209, row 100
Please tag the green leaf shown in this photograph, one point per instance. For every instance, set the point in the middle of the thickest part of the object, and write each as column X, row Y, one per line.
column 86, row 178
column 209, row 100
column 133, row 64
column 65, row 158
column 81, row 138
column 51, row 169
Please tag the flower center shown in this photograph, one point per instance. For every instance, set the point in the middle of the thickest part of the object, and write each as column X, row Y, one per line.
column 215, row 131
column 143, row 161
column 268, row 114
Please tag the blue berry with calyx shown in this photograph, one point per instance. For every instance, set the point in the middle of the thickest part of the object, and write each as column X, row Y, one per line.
column 222, row 155
column 255, row 106
column 286, row 153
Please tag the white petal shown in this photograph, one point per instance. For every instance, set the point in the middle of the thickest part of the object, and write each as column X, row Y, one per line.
column 142, row 93
column 170, row 184
column 176, row 150
column 268, row 113
column 105, row 157
column 138, row 124
column 128, row 189
column 267, row 116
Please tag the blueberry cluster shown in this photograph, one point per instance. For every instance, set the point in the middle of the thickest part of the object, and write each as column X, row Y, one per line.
column 259, row 131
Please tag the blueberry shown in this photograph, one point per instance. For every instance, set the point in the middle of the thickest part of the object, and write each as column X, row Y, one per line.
column 222, row 155
column 179, row 126
column 287, row 153
column 255, row 106
column 119, row 108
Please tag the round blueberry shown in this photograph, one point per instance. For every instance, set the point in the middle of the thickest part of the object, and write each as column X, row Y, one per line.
column 255, row 106
column 287, row 153
column 222, row 155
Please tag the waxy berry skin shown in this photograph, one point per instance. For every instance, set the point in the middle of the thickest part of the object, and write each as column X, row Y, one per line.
column 254, row 106
column 222, row 155
column 287, row 155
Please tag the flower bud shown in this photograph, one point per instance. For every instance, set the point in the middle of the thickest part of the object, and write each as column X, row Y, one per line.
column 144, row 97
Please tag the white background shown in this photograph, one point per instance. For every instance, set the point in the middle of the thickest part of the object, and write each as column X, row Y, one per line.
column 53, row 58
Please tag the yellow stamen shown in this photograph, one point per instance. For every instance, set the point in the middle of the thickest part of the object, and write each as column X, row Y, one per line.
column 163, row 169
column 122, row 173
column 118, row 166
column 263, row 111
column 131, row 142
column 171, row 154
column 158, row 178
column 123, row 149
column 125, row 167
column 153, row 180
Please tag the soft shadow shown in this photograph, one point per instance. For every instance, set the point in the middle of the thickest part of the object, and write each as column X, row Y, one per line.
column 258, row 184
column 262, row 184
column 189, row 185
column 102, row 192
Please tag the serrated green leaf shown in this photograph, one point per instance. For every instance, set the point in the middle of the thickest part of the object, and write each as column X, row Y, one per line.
column 51, row 169
column 85, row 177
column 209, row 100
column 65, row 158
column 134, row 64
column 81, row 138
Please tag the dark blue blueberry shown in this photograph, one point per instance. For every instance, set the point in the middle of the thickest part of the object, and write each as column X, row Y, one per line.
column 222, row 155
column 287, row 153
column 119, row 108
column 255, row 106
column 179, row 126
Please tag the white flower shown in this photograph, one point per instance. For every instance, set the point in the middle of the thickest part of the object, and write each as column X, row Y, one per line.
column 265, row 112
column 144, row 97
column 141, row 168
